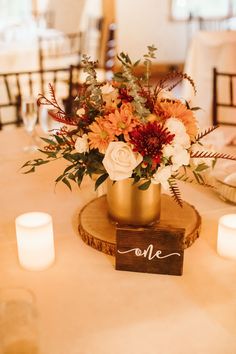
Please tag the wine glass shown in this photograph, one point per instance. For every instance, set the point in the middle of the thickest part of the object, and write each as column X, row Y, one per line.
column 46, row 121
column 29, row 116
column 18, row 321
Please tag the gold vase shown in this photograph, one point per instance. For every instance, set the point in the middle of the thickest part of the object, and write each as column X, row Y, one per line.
column 127, row 204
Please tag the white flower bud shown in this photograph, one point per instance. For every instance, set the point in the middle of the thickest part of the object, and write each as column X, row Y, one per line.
column 80, row 112
column 81, row 144
column 162, row 175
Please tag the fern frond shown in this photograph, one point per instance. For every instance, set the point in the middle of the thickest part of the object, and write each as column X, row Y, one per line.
column 175, row 192
column 174, row 78
column 63, row 118
column 42, row 100
column 212, row 155
column 57, row 113
column 206, row 132
column 182, row 177
column 52, row 94
column 200, row 180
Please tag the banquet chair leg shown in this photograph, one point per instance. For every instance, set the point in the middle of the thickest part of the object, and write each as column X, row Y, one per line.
column 18, row 111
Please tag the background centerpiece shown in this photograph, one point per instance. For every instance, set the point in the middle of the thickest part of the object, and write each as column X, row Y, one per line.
column 136, row 135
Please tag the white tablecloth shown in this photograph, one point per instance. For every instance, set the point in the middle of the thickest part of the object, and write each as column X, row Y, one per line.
column 85, row 306
column 208, row 50
column 20, row 51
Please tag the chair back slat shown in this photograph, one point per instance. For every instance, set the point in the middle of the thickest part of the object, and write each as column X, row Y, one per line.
column 5, row 77
column 30, row 84
column 18, row 85
column 55, row 78
column 231, row 90
column 59, row 48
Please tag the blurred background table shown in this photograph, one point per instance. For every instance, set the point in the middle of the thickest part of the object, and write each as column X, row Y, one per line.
column 206, row 51
column 19, row 47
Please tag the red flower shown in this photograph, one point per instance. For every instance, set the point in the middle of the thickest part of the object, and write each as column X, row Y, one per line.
column 124, row 96
column 150, row 139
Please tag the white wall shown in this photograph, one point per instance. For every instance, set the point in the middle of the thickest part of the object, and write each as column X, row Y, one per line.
column 140, row 23
column 145, row 22
column 67, row 14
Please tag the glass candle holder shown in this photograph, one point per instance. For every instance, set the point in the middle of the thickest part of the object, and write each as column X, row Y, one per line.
column 34, row 234
column 226, row 242
column 18, row 322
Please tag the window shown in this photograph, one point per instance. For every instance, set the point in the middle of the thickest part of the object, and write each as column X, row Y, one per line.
column 206, row 9
column 14, row 11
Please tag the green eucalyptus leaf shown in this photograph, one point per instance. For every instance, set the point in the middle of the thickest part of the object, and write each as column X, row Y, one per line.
column 145, row 185
column 195, row 108
column 68, row 157
column 136, row 178
column 29, row 171
column 67, row 183
column 201, row 167
column 100, row 180
column 49, row 141
column 68, row 168
column 59, row 178
column 28, row 163
column 59, row 139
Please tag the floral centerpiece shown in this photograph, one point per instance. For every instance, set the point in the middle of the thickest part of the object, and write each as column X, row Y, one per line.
column 128, row 128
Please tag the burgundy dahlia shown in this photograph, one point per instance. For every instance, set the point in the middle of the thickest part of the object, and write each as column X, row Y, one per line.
column 124, row 96
column 149, row 139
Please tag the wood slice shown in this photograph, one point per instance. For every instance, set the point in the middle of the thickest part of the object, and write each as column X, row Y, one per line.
column 98, row 231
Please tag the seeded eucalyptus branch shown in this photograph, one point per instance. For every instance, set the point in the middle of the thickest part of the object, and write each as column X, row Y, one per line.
column 148, row 62
column 133, row 87
column 91, row 81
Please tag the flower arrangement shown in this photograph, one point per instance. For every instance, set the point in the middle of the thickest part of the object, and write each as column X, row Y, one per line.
column 128, row 128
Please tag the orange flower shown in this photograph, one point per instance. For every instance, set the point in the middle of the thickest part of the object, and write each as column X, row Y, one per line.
column 176, row 109
column 100, row 135
column 123, row 120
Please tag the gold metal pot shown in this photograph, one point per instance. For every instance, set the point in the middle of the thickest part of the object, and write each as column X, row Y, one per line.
column 127, row 204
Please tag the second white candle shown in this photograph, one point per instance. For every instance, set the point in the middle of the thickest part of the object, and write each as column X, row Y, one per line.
column 34, row 233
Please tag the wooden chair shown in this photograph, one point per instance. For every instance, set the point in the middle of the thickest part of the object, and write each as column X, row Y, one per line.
column 110, row 51
column 107, row 52
column 44, row 19
column 60, row 50
column 104, row 69
column 227, row 86
column 13, row 86
column 93, row 38
column 212, row 24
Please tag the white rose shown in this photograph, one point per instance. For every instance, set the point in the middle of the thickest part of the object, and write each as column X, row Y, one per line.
column 166, row 95
column 162, row 175
column 80, row 112
column 120, row 160
column 106, row 89
column 168, row 151
column 182, row 140
column 81, row 144
column 175, row 126
column 180, row 157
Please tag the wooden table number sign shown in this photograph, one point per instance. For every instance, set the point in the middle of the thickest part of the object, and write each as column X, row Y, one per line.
column 150, row 250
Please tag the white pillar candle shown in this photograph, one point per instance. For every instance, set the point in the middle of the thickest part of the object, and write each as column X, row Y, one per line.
column 34, row 234
column 226, row 243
